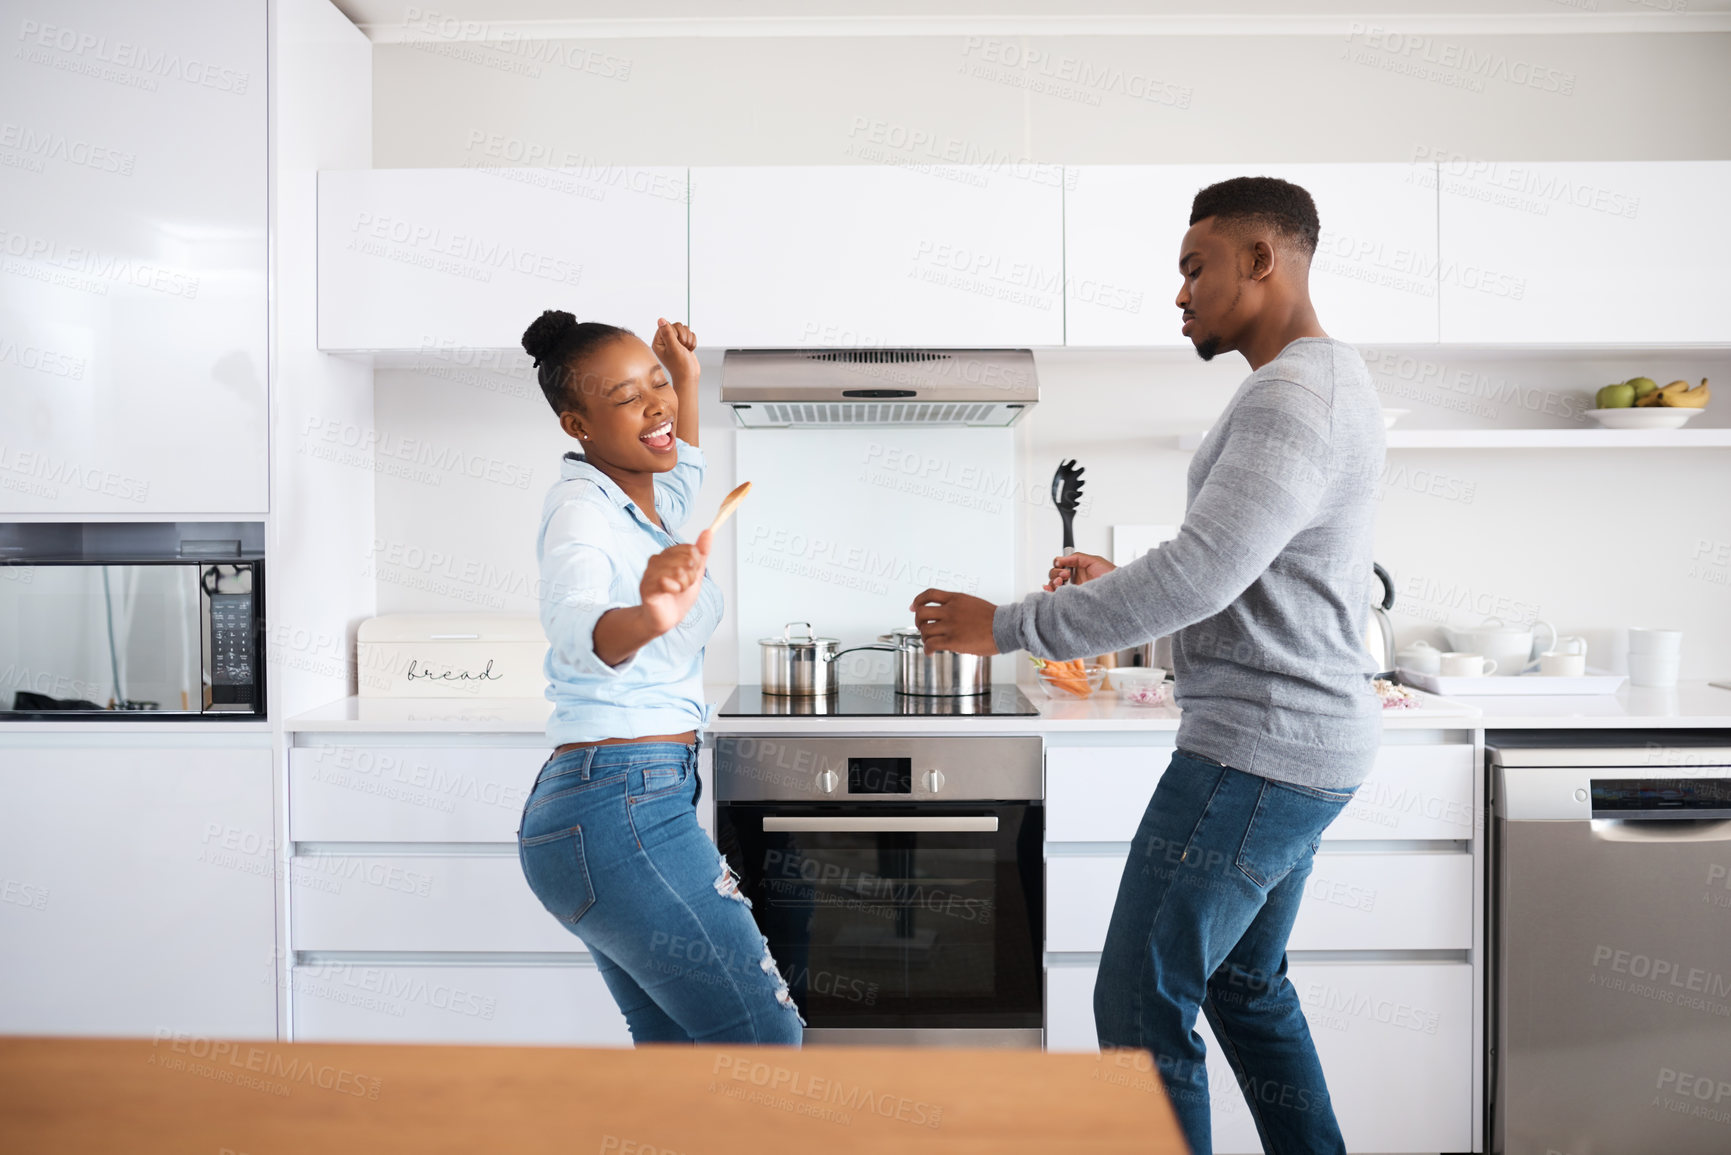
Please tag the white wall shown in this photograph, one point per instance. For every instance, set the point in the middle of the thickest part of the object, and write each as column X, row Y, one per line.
column 1592, row 540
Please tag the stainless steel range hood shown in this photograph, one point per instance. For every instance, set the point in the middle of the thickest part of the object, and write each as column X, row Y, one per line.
column 814, row 388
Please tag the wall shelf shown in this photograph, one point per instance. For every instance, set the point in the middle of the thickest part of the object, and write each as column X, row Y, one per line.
column 1538, row 439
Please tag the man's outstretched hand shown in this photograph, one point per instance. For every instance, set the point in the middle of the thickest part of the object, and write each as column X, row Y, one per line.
column 952, row 621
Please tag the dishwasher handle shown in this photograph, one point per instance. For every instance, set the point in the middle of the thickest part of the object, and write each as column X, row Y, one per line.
column 1672, row 830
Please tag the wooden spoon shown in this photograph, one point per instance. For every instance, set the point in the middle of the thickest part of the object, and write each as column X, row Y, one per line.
column 728, row 505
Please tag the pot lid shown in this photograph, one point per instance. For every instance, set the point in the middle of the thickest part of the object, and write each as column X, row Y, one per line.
column 792, row 640
column 904, row 637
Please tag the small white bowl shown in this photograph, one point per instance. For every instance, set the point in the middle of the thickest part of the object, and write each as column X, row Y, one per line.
column 1390, row 416
column 1647, row 417
column 1124, row 677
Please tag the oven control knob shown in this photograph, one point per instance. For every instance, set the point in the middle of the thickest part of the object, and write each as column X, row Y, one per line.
column 933, row 781
column 828, row 780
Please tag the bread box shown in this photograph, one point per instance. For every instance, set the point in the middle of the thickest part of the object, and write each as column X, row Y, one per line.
column 451, row 656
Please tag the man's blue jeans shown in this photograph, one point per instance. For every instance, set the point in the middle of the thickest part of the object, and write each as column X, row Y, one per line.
column 611, row 845
column 1208, row 898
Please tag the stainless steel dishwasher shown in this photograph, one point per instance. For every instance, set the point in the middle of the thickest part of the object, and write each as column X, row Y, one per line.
column 1611, row 990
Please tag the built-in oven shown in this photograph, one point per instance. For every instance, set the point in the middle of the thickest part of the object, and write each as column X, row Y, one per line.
column 134, row 620
column 899, row 881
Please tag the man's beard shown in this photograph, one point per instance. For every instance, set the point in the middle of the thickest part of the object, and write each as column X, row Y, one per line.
column 1207, row 348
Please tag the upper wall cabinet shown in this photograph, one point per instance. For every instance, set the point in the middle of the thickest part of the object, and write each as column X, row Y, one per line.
column 421, row 259
column 134, row 345
column 1585, row 253
column 1373, row 278
column 877, row 256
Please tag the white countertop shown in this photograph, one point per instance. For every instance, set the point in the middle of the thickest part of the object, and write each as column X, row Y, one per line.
column 1690, row 704
column 1105, row 712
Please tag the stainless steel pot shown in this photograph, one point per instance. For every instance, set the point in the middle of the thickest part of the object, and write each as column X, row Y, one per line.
column 802, row 666
column 944, row 674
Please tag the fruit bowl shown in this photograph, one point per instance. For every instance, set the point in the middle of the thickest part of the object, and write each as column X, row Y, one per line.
column 1650, row 417
column 1064, row 684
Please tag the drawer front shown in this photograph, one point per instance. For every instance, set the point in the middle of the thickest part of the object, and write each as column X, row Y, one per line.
column 361, row 1002
column 1395, row 901
column 365, row 793
column 1395, row 1040
column 426, row 902
column 1099, row 793
column 1415, row 792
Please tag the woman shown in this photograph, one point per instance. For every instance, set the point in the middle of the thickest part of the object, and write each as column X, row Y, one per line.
column 609, row 840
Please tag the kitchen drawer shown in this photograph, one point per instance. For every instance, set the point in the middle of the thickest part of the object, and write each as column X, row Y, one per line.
column 1395, row 1040
column 363, row 793
column 1099, row 793
column 1411, row 900
column 419, row 902
column 1414, row 792
column 367, row 1002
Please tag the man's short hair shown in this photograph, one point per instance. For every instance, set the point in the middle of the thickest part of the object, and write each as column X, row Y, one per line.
column 1264, row 200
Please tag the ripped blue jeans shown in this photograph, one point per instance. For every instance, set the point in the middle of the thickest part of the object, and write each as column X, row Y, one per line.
column 611, row 845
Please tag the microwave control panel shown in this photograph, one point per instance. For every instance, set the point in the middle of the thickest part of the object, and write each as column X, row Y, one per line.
column 231, row 654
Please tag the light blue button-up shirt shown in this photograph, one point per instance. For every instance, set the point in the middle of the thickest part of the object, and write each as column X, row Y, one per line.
column 592, row 550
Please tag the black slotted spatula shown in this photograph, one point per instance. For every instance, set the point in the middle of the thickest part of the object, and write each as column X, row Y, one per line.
column 1067, row 495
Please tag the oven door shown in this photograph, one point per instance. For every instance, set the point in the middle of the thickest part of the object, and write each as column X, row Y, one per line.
column 917, row 923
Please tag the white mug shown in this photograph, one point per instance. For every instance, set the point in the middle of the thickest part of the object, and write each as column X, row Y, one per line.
column 1458, row 665
column 1555, row 665
column 1647, row 641
column 1572, row 644
column 1420, row 657
column 1653, row 669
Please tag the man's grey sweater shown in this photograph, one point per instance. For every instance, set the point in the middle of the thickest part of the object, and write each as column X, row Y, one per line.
column 1267, row 585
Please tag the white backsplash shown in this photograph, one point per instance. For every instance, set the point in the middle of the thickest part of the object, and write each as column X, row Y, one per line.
column 844, row 526
column 1592, row 540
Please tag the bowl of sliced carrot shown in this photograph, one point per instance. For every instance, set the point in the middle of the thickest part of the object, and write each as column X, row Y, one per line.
column 1072, row 679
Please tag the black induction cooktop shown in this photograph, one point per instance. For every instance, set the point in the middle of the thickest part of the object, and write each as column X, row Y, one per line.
column 876, row 701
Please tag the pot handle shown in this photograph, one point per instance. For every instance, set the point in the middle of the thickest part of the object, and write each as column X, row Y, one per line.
column 787, row 632
column 852, row 649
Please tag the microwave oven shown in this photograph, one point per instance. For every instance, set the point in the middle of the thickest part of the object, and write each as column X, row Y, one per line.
column 132, row 621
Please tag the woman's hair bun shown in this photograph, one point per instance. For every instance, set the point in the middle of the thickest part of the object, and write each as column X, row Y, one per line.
column 541, row 340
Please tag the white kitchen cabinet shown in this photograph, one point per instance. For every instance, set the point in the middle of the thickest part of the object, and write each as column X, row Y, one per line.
column 134, row 355
column 1396, row 900
column 418, row 900
column 137, row 874
column 873, row 256
column 343, row 1000
column 1394, row 1037
column 421, row 260
column 1373, row 278
column 1414, row 792
column 400, row 793
column 1584, row 252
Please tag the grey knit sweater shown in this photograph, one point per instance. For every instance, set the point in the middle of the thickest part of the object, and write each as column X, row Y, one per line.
column 1267, row 585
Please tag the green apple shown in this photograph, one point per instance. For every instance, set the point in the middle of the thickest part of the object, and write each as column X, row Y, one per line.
column 1643, row 386
column 1614, row 397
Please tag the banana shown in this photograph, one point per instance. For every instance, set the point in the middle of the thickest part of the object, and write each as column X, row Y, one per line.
column 1674, row 387
column 1685, row 398
column 1651, row 398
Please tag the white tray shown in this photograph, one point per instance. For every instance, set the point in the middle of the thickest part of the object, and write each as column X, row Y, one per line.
column 1592, row 682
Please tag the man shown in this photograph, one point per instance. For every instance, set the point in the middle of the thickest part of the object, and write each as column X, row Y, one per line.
column 1265, row 590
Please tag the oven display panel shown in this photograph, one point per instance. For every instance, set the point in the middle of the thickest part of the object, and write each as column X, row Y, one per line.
column 880, row 776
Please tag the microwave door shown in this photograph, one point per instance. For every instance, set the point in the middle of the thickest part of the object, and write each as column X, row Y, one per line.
column 82, row 638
